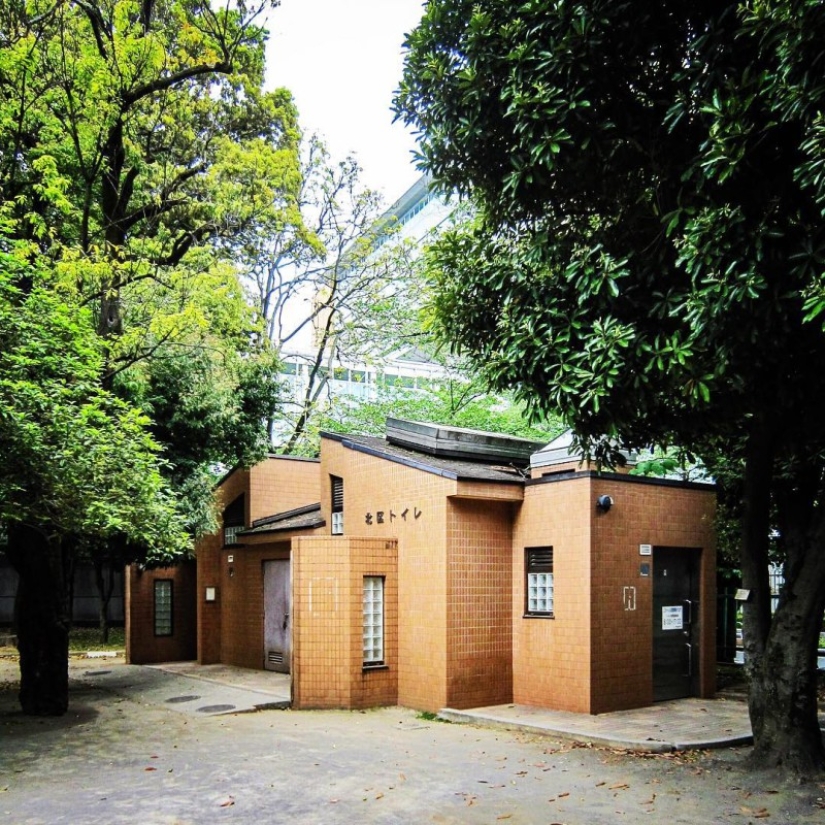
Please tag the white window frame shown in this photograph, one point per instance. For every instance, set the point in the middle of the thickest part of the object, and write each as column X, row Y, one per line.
column 337, row 489
column 164, row 607
column 539, row 582
column 230, row 534
column 373, row 627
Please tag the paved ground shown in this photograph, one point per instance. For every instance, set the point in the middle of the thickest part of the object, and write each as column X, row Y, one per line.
column 138, row 747
column 664, row 727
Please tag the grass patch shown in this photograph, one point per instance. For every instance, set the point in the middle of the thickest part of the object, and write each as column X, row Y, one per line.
column 428, row 716
column 730, row 676
column 82, row 639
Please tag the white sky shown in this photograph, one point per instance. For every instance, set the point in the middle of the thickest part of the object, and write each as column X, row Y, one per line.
column 342, row 60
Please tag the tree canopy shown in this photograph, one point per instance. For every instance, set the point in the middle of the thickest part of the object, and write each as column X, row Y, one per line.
column 76, row 459
column 136, row 142
column 648, row 257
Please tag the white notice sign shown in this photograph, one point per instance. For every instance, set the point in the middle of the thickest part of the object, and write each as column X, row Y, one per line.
column 672, row 618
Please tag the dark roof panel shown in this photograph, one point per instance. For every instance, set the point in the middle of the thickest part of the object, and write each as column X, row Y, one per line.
column 456, row 469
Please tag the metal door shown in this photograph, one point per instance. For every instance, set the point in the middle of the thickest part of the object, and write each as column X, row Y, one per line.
column 277, row 630
column 675, row 622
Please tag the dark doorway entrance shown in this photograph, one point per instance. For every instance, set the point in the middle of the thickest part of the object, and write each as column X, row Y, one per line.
column 675, row 622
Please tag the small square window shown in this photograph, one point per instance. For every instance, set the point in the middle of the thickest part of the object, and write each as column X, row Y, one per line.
column 230, row 534
column 234, row 519
column 539, row 584
column 163, row 607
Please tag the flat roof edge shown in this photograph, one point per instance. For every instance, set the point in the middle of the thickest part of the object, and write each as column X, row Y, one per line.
column 553, row 478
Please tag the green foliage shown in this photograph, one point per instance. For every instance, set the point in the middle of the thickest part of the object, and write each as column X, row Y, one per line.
column 648, row 260
column 137, row 144
column 650, row 207
column 453, row 402
column 77, row 460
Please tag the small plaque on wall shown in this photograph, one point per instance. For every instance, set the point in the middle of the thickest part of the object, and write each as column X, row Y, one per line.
column 673, row 617
column 742, row 595
column 645, row 549
column 210, row 594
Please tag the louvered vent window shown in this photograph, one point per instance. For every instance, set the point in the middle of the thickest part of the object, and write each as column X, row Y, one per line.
column 230, row 534
column 163, row 607
column 337, row 505
column 233, row 521
column 539, row 569
column 373, row 620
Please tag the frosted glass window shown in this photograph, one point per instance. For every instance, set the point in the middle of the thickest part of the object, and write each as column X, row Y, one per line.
column 373, row 620
column 163, row 607
column 539, row 581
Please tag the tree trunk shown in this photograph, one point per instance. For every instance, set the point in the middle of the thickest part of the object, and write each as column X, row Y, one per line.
column 781, row 649
column 42, row 625
column 105, row 588
column 783, row 687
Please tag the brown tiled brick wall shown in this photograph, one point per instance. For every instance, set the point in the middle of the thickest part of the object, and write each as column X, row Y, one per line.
column 479, row 603
column 273, row 486
column 595, row 655
column 242, row 589
column 327, row 655
column 142, row 646
column 282, row 483
column 622, row 640
column 372, row 486
column 208, row 554
column 551, row 657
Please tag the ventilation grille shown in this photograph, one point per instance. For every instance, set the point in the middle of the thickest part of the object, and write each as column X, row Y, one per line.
column 337, row 494
column 275, row 657
column 539, row 559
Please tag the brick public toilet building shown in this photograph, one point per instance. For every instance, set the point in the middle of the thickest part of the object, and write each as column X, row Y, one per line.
column 440, row 567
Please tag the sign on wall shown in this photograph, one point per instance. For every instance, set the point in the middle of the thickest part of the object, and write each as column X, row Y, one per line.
column 673, row 618
column 389, row 516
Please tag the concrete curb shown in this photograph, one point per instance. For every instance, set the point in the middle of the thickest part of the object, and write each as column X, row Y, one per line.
column 577, row 735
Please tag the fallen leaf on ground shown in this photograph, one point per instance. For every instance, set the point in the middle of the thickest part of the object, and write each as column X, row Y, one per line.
column 226, row 803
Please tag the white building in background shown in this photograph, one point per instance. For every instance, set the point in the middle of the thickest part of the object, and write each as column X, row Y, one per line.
column 417, row 215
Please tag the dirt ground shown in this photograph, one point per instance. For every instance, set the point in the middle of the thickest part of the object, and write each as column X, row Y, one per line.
column 113, row 759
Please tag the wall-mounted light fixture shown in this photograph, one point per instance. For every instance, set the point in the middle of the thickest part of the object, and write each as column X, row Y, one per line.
column 604, row 503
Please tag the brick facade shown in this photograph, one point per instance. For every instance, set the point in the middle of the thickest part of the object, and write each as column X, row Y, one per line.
column 143, row 646
column 229, row 630
column 450, row 550
column 595, row 655
column 327, row 603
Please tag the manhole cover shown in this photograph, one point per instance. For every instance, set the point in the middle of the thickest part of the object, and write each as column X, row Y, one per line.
column 176, row 699
column 215, row 708
column 97, row 672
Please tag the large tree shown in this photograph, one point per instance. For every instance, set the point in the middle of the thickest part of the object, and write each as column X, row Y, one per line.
column 334, row 285
column 648, row 259
column 77, row 461
column 136, row 140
